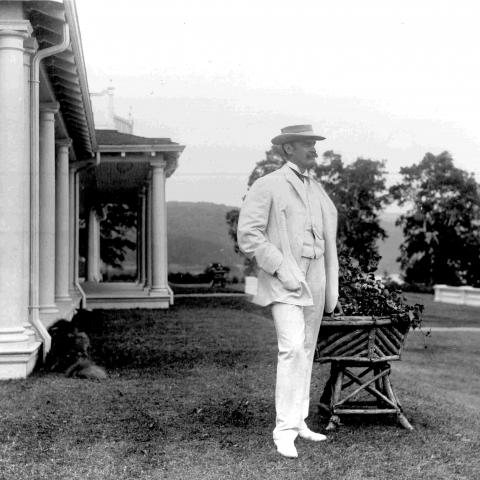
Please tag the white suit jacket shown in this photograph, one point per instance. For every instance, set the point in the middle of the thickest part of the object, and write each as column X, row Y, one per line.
column 271, row 226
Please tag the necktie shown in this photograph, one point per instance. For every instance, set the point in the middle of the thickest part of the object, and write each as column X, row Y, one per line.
column 299, row 175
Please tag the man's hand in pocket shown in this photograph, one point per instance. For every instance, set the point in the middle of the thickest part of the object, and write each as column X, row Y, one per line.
column 287, row 279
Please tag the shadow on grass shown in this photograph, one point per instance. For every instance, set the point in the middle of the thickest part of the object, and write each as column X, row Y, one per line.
column 194, row 332
column 146, row 348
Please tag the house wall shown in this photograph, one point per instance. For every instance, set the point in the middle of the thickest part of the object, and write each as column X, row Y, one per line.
column 32, row 166
column 18, row 348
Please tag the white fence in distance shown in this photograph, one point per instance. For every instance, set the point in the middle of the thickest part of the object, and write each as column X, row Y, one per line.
column 458, row 295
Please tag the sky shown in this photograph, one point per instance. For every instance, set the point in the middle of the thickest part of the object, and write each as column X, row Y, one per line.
column 386, row 80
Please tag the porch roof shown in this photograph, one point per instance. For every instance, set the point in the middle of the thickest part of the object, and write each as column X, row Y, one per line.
column 114, row 138
column 117, row 147
column 124, row 163
column 66, row 70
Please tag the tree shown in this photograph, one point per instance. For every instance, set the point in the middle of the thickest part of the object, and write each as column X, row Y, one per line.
column 118, row 222
column 442, row 226
column 232, row 222
column 358, row 191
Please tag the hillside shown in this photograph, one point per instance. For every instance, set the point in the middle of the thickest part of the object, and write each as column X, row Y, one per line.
column 198, row 235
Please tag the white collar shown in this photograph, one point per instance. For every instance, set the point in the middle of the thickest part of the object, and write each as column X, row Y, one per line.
column 295, row 167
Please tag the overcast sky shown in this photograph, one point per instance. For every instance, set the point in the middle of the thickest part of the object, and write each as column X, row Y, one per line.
column 380, row 79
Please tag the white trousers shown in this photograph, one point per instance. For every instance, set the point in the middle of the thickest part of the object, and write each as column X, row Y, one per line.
column 297, row 331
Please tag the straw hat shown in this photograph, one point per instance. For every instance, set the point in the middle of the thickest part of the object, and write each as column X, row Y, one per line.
column 295, row 133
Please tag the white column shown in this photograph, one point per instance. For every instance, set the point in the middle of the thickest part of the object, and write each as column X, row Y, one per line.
column 76, row 226
column 72, row 222
column 17, row 353
column 47, row 208
column 98, row 255
column 143, row 239
column 93, row 259
column 138, row 246
column 62, row 230
column 148, row 243
column 30, row 46
column 159, row 231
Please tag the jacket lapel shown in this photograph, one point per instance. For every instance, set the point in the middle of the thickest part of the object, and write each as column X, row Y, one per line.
column 295, row 182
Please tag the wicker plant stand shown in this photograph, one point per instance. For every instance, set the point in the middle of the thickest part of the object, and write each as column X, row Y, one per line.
column 359, row 350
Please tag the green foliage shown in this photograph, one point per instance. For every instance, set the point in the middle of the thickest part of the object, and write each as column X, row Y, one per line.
column 118, row 222
column 232, row 222
column 442, row 226
column 358, row 191
column 361, row 294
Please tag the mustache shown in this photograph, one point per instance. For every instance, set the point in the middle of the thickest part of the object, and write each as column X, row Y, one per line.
column 313, row 155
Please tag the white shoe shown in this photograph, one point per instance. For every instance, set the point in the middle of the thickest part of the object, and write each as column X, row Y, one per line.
column 307, row 434
column 286, row 448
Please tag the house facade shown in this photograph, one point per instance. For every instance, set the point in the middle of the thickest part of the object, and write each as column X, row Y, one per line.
column 58, row 167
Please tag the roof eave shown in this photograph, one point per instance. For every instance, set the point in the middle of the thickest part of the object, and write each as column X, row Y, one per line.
column 71, row 17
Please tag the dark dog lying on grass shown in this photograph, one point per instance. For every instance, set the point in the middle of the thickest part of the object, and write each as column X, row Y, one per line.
column 70, row 352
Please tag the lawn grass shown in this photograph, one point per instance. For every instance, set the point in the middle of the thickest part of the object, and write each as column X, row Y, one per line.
column 190, row 395
column 439, row 314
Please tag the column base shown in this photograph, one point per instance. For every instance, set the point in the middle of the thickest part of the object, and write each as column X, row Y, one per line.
column 19, row 361
column 95, row 279
column 159, row 291
column 67, row 308
column 13, row 337
column 48, row 309
column 63, row 299
column 30, row 332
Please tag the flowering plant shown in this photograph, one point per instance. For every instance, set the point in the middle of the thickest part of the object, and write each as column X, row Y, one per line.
column 362, row 294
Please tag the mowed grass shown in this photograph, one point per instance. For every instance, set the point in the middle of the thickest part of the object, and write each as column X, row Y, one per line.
column 190, row 395
column 439, row 314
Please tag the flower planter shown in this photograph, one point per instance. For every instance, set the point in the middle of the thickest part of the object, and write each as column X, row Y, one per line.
column 368, row 344
column 360, row 338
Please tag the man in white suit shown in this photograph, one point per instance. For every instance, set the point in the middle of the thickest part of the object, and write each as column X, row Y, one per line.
column 288, row 224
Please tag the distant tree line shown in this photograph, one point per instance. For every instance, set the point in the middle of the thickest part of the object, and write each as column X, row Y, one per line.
column 441, row 226
column 441, row 223
column 215, row 274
